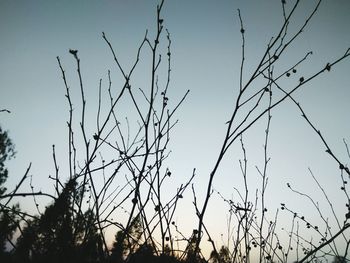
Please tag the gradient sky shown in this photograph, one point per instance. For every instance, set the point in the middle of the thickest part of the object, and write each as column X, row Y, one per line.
column 206, row 57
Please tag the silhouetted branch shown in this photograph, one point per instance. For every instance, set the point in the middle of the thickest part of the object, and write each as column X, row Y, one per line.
column 13, row 193
column 313, row 251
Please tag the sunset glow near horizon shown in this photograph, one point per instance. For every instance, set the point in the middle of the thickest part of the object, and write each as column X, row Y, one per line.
column 206, row 55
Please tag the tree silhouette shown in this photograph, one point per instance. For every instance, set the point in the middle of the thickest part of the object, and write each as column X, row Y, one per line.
column 61, row 234
column 7, row 152
column 223, row 256
column 128, row 241
column 8, row 214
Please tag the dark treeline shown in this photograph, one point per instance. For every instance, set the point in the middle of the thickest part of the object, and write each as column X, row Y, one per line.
column 62, row 234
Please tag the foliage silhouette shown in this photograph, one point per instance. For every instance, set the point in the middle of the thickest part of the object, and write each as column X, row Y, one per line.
column 8, row 214
column 7, row 152
column 224, row 255
column 61, row 234
column 127, row 242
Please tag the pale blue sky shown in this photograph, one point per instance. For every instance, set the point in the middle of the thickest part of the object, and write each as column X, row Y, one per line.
column 206, row 58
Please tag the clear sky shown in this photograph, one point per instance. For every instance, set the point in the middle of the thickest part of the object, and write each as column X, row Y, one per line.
column 206, row 58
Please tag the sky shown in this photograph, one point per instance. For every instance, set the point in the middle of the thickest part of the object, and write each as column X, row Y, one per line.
column 206, row 55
